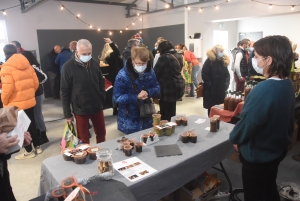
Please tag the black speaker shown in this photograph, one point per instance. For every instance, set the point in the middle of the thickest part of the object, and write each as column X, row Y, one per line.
column 197, row 35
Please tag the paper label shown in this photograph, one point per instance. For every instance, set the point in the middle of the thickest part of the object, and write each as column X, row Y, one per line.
column 83, row 147
column 67, row 153
column 94, row 149
column 73, row 194
column 200, row 121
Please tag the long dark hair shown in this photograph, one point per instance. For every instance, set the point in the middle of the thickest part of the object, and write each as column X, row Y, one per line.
column 280, row 49
column 31, row 58
column 164, row 47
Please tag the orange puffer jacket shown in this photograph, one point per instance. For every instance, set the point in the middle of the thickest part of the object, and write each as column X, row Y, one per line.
column 19, row 83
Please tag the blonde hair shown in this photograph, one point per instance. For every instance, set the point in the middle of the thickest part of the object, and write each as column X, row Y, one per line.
column 216, row 48
column 105, row 52
column 140, row 52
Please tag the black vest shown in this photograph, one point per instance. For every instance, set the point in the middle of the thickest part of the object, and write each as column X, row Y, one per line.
column 243, row 64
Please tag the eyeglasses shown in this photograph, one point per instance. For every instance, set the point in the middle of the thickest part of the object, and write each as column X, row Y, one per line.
column 139, row 64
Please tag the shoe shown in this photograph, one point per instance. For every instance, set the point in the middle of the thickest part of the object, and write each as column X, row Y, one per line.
column 180, row 99
column 189, row 95
column 43, row 138
column 38, row 149
column 296, row 157
column 25, row 155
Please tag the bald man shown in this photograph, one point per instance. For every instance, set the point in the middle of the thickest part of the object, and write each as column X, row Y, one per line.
column 72, row 46
column 53, row 71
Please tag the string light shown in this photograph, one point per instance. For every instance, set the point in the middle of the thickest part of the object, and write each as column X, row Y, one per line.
column 141, row 19
column 110, row 33
column 3, row 12
column 270, row 6
column 91, row 26
column 227, row 1
column 200, row 10
column 216, row 7
column 132, row 23
column 189, row 8
column 120, row 31
column 98, row 29
column 126, row 28
column 293, row 7
column 62, row 7
column 78, row 15
column 140, row 32
column 167, row 5
column 138, row 14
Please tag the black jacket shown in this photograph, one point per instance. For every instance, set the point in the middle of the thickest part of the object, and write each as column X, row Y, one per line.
column 126, row 54
column 168, row 74
column 82, row 87
column 115, row 63
column 216, row 80
column 52, row 67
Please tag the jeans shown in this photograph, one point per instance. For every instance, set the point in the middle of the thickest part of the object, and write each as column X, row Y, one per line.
column 167, row 109
column 259, row 180
column 38, row 116
column 82, row 124
column 195, row 71
column 54, row 79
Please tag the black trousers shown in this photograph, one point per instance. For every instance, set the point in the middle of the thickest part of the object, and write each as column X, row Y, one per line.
column 6, row 193
column 259, row 180
column 167, row 109
column 54, row 79
column 35, row 135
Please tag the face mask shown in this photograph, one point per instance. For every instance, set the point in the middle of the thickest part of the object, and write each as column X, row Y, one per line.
column 251, row 49
column 84, row 58
column 72, row 50
column 220, row 55
column 256, row 67
column 140, row 69
column 155, row 48
column 247, row 48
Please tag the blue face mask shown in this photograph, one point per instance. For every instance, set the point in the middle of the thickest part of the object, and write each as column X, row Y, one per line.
column 220, row 55
column 155, row 48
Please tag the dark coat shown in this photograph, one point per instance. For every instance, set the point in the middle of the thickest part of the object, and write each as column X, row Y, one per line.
column 216, row 79
column 126, row 54
column 64, row 56
column 129, row 120
column 115, row 63
column 52, row 66
column 82, row 87
column 168, row 73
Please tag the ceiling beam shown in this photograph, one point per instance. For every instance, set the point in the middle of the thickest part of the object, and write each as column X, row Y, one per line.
column 28, row 4
column 101, row 2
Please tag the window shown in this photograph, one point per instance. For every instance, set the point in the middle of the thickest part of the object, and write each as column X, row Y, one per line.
column 221, row 37
column 3, row 39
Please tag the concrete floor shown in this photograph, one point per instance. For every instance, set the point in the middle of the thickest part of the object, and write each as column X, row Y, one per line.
column 25, row 174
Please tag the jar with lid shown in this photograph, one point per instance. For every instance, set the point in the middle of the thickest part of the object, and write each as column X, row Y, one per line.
column 226, row 100
column 213, row 124
column 105, row 163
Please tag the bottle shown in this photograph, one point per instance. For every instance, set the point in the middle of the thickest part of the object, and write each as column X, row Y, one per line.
column 226, row 100
column 231, row 103
column 236, row 102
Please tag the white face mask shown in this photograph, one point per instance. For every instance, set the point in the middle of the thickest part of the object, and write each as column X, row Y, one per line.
column 84, row 58
column 140, row 69
column 256, row 67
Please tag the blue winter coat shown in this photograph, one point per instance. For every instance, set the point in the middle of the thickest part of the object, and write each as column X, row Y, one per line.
column 64, row 56
column 129, row 120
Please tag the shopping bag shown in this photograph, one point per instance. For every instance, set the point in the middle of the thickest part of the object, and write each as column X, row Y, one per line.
column 199, row 90
column 8, row 119
column 69, row 138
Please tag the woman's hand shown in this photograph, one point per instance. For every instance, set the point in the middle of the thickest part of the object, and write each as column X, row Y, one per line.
column 143, row 95
column 27, row 139
column 107, row 40
column 236, row 147
column 6, row 143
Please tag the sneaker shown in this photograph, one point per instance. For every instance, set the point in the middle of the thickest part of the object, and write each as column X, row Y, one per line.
column 39, row 150
column 25, row 155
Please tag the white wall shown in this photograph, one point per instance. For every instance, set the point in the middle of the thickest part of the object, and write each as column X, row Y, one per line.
column 47, row 15
column 287, row 25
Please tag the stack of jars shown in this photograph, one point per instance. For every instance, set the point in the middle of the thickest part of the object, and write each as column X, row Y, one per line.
column 160, row 127
column 294, row 76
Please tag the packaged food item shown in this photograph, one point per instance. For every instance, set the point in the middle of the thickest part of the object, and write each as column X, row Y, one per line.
column 178, row 121
column 156, row 119
column 92, row 152
column 58, row 194
column 105, row 163
column 66, row 153
column 80, row 157
column 185, row 137
column 218, row 121
column 213, row 124
column 139, row 147
column 193, row 137
column 145, row 137
column 184, row 121
column 128, row 150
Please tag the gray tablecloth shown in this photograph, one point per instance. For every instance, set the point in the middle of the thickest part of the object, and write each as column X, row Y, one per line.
column 172, row 172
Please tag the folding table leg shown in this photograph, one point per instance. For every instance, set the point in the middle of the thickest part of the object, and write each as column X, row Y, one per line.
column 226, row 175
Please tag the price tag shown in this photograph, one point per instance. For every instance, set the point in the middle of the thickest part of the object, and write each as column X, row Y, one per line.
column 84, row 147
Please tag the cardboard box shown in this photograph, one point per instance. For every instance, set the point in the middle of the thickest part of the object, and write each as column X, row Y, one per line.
column 169, row 197
column 294, row 137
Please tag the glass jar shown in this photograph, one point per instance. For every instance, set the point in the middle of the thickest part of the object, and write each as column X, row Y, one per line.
column 213, row 124
column 105, row 163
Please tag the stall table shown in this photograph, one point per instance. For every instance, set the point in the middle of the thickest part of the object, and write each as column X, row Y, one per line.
column 172, row 172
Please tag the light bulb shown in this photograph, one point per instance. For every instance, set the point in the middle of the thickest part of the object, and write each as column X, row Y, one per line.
column 78, row 15
column 138, row 14
column 140, row 32
column 120, row 31
column 126, row 28
column 217, row 7
column 227, row 0
column 200, row 10
column 293, row 7
column 132, row 23
column 141, row 19
column 91, row 26
column 167, row 6
column 189, row 8
column 270, row 6
column 98, row 29
column 4, row 13
column 110, row 33
column 62, row 7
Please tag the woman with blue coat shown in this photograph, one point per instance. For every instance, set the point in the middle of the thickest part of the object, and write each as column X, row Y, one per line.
column 135, row 83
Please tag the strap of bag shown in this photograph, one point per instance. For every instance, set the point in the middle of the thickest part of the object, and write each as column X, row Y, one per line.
column 175, row 58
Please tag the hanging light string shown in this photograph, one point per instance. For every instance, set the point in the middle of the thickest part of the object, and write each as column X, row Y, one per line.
column 5, row 9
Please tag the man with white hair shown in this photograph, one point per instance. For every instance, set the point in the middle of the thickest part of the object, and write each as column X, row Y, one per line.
column 83, row 87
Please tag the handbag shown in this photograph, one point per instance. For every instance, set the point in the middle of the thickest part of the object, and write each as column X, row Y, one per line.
column 69, row 138
column 199, row 90
column 146, row 107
